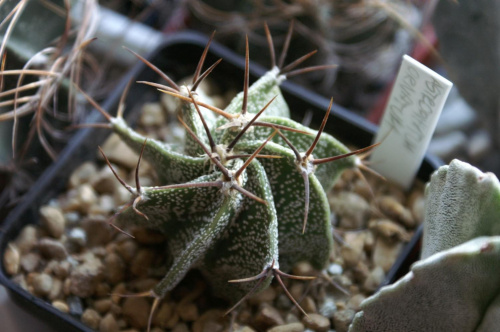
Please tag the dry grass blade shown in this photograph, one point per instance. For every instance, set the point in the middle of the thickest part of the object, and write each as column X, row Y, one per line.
column 25, row 87
column 95, row 104
column 30, row 72
column 18, row 9
column 2, row 68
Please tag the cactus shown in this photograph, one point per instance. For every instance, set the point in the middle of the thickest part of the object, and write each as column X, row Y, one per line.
column 244, row 199
column 455, row 286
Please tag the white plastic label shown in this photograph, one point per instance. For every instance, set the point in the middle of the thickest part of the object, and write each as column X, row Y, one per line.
column 409, row 120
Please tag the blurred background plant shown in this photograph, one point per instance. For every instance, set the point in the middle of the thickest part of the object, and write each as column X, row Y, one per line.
column 365, row 38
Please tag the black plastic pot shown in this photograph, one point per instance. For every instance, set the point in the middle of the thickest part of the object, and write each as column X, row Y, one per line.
column 177, row 56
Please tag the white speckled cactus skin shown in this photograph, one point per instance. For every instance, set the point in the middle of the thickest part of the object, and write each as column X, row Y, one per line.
column 456, row 285
column 461, row 203
column 227, row 213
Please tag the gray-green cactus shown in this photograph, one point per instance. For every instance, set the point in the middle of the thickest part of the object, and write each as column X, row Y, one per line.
column 237, row 198
column 456, row 285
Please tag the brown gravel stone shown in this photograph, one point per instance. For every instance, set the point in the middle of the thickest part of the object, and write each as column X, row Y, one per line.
column 114, row 268
column 108, row 324
column 211, row 320
column 52, row 249
column 59, row 269
column 152, row 115
column 102, row 306
column 82, row 174
column 342, row 319
column 102, row 289
column 180, row 327
column 119, row 152
column 143, row 285
column 136, row 311
column 163, row 314
column 267, row 317
column 42, row 284
column 91, row 318
column 246, row 329
column 316, row 323
column 266, row 295
column 61, row 306
column 374, row 279
column 188, row 312
column 30, row 262
column 394, row 209
column 52, row 219
column 118, row 290
column 85, row 197
column 291, row 318
column 104, row 181
column 354, row 302
column 147, row 236
column 142, row 262
column 85, row 277
column 172, row 321
column 27, row 239
column 297, row 290
column 308, row 305
column 389, row 230
column 56, row 291
column 127, row 250
column 303, row 269
column 98, row 231
column 292, row 327
column 351, row 209
column 11, row 259
column 385, row 254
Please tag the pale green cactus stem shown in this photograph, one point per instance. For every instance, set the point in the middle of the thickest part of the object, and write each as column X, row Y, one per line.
column 461, row 203
column 456, row 285
column 244, row 213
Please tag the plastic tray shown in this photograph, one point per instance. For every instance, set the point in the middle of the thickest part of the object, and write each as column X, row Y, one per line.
column 177, row 56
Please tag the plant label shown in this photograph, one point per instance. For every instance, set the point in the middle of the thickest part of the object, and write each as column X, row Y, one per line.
column 409, row 120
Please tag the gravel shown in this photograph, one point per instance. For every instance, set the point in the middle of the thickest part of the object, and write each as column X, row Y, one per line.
column 84, row 267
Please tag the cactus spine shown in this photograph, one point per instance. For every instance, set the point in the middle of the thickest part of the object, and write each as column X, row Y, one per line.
column 246, row 197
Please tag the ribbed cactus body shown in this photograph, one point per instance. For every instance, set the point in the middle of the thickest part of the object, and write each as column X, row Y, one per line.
column 456, row 285
column 227, row 234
